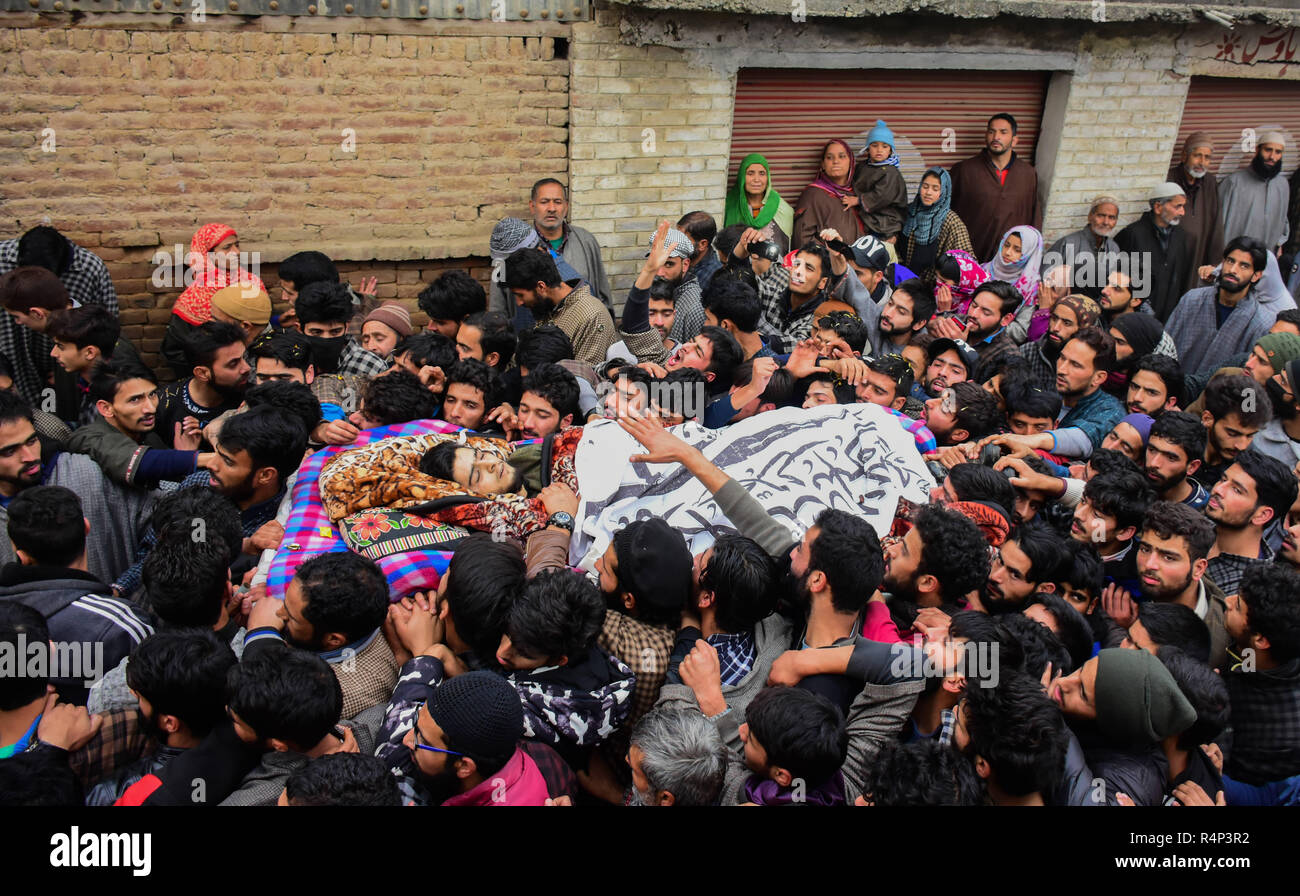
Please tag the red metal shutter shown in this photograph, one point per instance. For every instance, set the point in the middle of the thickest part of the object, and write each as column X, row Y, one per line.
column 789, row 115
column 1225, row 107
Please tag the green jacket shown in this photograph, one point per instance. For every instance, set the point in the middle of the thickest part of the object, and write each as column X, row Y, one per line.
column 116, row 453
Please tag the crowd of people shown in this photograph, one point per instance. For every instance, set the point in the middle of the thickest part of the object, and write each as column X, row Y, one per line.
column 1098, row 604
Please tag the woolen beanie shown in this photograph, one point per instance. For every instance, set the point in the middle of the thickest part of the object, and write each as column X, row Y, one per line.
column 509, row 235
column 394, row 316
column 880, row 134
column 480, row 714
column 1198, row 138
column 244, row 302
column 1142, row 423
column 1280, row 349
column 1138, row 701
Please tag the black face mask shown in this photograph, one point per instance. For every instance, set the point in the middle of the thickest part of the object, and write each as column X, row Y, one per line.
column 1265, row 170
column 325, row 351
column 1282, row 407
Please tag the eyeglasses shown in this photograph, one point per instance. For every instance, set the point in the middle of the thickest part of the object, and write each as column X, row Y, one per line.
column 422, row 746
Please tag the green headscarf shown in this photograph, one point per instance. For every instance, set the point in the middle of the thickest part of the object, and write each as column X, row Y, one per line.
column 774, row 207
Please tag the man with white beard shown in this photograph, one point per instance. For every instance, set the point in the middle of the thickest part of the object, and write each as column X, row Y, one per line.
column 1202, row 222
column 1085, row 251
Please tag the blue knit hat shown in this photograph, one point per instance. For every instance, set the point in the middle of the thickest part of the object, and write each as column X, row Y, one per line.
column 879, row 134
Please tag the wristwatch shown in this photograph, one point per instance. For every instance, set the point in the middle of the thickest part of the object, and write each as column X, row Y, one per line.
column 561, row 519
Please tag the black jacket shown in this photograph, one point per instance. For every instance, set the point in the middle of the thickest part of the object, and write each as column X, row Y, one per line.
column 92, row 629
column 1167, row 270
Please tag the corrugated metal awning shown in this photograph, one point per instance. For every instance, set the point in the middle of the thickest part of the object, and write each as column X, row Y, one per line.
column 938, row 118
column 1229, row 107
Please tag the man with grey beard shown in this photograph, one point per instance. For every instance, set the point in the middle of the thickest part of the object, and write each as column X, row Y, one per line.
column 1202, row 222
column 678, row 758
column 1085, row 250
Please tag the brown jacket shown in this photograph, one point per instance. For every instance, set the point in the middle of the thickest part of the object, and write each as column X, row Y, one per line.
column 990, row 208
column 818, row 210
column 1202, row 223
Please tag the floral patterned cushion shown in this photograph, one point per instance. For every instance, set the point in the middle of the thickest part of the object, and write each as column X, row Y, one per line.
column 382, row 533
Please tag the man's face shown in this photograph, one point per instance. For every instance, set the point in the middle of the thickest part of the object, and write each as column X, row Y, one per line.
column 877, row 388
column 538, row 418
column 296, row 627
column 607, row 572
column 272, row 370
column 1009, row 584
column 549, row 208
column 1076, row 693
column 1124, row 439
column 1282, row 326
column 1092, row 526
column 288, row 294
column 698, row 353
column 463, row 405
column 830, row 344
column 627, row 398
column 232, row 474
column 1117, row 294
column 133, row 408
column 1029, row 503
column 71, row 358
column 1233, row 500
column 20, row 456
column 379, row 338
column 819, row 393
column 1170, row 212
column 36, row 320
column 1238, row 271
column 1103, row 218
column 945, row 370
column 1075, row 371
column 325, row 329
column 806, row 275
column 896, row 316
column 1062, row 324
column 869, row 277
column 642, row 794
column 673, row 270
column 662, row 315
column 1164, row 566
column 944, row 494
column 941, row 415
column 1271, row 153
column 536, row 300
column 484, row 472
column 902, row 560
column 984, row 315
column 229, row 371
column 755, row 755
column 801, row 553
column 1197, row 161
column 1138, row 638
column 510, row 656
column 1259, row 367
column 1236, row 622
column 1076, row 597
column 432, row 765
column 445, row 326
column 469, row 342
column 1022, row 424
column 1147, row 394
column 1230, row 436
column 1290, row 550
column 1167, row 465
column 998, row 137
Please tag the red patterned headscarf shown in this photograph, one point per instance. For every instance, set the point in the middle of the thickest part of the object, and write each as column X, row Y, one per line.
column 194, row 305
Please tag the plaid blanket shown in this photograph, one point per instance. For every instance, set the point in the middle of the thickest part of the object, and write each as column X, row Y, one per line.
column 309, row 531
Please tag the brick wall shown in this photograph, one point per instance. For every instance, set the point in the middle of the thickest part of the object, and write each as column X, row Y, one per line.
column 160, row 128
column 650, row 129
column 1118, row 129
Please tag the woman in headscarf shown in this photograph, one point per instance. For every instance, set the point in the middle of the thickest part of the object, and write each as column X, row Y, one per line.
column 821, row 205
column 1136, row 335
column 213, row 261
column 1017, row 261
column 754, row 203
column 932, row 228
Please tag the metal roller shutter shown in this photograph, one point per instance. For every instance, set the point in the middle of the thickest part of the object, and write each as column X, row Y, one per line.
column 1227, row 107
column 788, row 116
